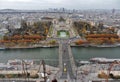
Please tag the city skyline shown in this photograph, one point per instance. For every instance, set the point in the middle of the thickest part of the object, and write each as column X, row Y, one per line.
column 69, row 4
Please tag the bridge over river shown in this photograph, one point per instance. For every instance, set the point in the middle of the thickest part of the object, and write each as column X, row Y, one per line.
column 66, row 61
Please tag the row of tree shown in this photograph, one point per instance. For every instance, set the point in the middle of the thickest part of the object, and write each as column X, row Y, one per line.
column 99, row 39
column 24, row 37
column 80, row 42
column 104, row 75
column 18, row 41
column 102, row 36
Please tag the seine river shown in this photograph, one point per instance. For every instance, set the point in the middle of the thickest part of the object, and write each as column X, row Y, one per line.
column 83, row 53
column 51, row 54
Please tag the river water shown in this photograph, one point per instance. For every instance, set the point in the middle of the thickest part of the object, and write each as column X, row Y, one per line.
column 51, row 54
column 85, row 53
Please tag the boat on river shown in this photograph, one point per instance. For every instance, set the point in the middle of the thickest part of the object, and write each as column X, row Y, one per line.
column 20, row 62
column 103, row 60
column 1, row 48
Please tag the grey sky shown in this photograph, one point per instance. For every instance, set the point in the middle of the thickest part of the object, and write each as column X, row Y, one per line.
column 69, row 4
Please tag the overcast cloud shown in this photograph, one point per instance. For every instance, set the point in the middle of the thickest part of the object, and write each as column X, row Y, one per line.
column 69, row 4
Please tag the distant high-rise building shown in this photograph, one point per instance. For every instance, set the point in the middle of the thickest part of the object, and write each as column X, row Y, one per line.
column 113, row 11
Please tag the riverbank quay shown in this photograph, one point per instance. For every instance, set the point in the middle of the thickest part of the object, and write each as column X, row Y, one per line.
column 84, row 73
column 57, row 45
column 98, row 46
column 18, row 71
column 90, row 72
column 50, row 46
column 17, row 80
column 29, row 47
